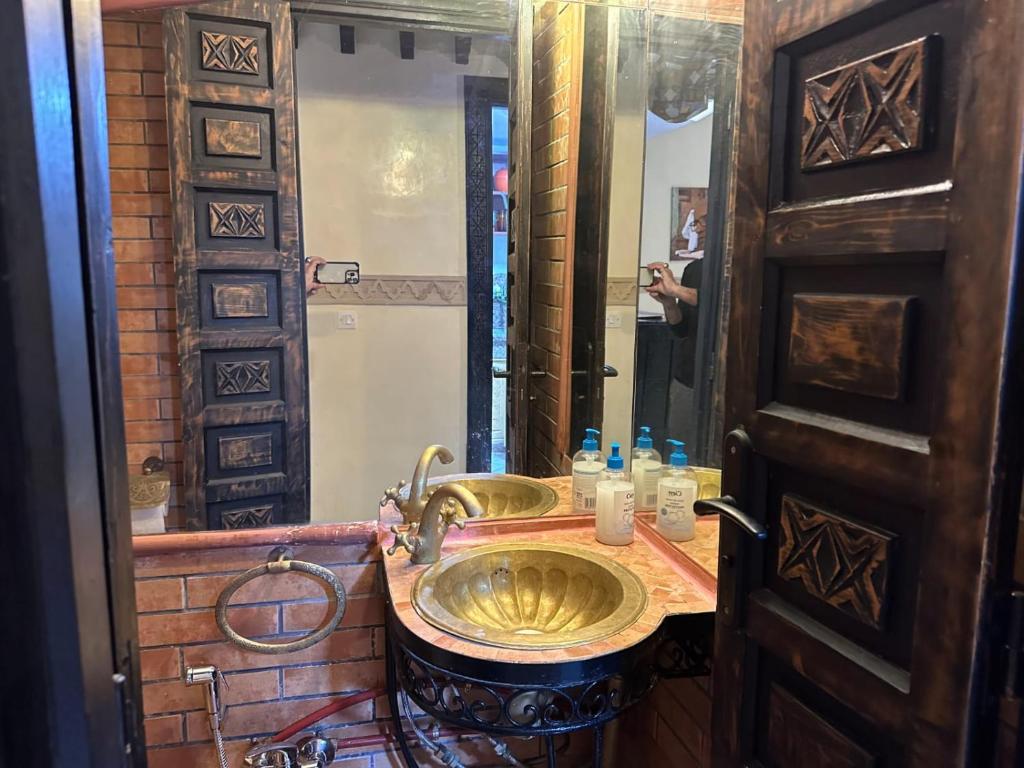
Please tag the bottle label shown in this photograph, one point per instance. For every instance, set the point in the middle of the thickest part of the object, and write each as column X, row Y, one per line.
column 646, row 476
column 675, row 509
column 626, row 501
column 584, row 491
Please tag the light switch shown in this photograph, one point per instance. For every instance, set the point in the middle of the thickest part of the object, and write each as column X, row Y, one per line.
column 347, row 321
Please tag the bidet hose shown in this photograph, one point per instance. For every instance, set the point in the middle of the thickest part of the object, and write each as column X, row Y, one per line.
column 218, row 742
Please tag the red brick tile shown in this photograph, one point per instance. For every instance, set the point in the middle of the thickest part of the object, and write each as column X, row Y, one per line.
column 120, row 33
column 131, row 227
column 160, row 663
column 136, row 107
column 139, row 452
column 166, row 729
column 138, row 365
column 171, row 696
column 170, row 408
column 148, row 342
column 158, row 297
column 141, row 410
column 166, row 319
column 152, row 59
column 168, row 365
column 135, row 319
column 148, row 156
column 200, row 626
column 119, row 57
column 153, row 84
column 247, row 687
column 159, row 181
column 333, row 678
column 126, row 132
column 161, row 226
column 147, row 386
column 156, row 132
column 159, row 595
column 129, row 181
column 151, row 36
column 359, row 612
column 140, row 204
column 237, row 559
column 343, row 645
column 144, row 250
column 124, row 84
column 151, row 431
column 203, row 590
column 163, row 273
column 133, row 273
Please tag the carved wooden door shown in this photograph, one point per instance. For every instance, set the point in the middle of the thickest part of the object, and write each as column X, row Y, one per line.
column 879, row 162
column 239, row 272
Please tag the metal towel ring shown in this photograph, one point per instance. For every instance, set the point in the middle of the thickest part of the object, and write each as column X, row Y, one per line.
column 280, row 561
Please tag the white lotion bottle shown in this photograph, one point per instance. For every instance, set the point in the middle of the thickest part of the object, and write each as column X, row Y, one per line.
column 587, row 465
column 646, row 470
column 615, row 503
column 677, row 491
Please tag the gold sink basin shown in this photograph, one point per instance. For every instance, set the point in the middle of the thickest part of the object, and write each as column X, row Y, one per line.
column 709, row 481
column 501, row 495
column 529, row 596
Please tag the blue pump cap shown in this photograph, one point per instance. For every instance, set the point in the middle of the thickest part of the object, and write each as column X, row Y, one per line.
column 678, row 458
column 615, row 460
column 590, row 442
column 644, row 441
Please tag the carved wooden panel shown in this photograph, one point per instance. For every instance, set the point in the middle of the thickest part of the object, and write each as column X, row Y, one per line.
column 246, row 451
column 240, row 300
column 248, row 517
column 798, row 736
column 237, row 220
column 244, row 377
column 230, row 53
column 232, row 138
column 872, row 107
column 855, row 344
column 838, row 561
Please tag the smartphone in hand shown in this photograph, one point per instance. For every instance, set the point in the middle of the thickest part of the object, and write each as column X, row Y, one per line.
column 649, row 277
column 338, row 272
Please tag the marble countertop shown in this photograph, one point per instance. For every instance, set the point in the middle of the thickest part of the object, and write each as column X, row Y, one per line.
column 679, row 578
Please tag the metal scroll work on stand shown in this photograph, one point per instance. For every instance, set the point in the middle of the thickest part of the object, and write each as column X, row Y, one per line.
column 281, row 561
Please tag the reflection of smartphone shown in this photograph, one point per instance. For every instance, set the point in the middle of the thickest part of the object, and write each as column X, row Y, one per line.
column 338, row 272
column 649, row 276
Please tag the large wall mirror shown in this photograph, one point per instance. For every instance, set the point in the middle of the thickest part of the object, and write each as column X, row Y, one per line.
column 504, row 176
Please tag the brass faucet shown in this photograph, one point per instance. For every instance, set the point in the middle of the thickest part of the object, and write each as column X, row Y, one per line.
column 438, row 516
column 412, row 509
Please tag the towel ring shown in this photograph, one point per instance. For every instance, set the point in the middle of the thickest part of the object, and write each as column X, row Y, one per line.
column 280, row 561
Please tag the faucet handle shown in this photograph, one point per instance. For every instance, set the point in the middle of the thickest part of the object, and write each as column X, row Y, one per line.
column 393, row 494
column 403, row 540
column 450, row 515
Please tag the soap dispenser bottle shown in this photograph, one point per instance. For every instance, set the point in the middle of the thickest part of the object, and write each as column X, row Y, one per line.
column 646, row 470
column 677, row 490
column 587, row 466
column 615, row 503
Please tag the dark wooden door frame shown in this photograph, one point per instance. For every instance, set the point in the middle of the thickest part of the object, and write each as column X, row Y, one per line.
column 482, row 94
column 68, row 595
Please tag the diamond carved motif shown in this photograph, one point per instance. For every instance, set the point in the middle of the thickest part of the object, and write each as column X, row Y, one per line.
column 245, row 377
column 869, row 108
column 838, row 561
column 237, row 220
column 248, row 517
column 222, row 52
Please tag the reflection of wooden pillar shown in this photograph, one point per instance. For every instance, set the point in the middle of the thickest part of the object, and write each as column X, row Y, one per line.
column 557, row 81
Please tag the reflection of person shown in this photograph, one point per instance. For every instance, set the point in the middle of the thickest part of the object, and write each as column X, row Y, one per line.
column 312, row 284
column 679, row 300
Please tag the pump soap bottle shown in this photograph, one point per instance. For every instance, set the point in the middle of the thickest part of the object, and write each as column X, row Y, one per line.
column 587, row 465
column 615, row 503
column 646, row 470
column 677, row 490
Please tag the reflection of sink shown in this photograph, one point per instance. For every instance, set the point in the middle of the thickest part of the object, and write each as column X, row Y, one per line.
column 709, row 481
column 501, row 495
column 520, row 595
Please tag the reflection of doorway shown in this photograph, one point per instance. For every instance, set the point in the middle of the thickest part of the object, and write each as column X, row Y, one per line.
column 486, row 120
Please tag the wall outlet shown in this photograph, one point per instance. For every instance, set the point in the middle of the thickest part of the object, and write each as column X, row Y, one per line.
column 613, row 320
column 347, row 321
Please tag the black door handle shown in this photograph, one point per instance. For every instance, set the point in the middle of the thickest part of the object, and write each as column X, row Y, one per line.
column 609, row 371
column 726, row 506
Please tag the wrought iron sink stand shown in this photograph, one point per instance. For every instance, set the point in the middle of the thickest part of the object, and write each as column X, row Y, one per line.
column 504, row 699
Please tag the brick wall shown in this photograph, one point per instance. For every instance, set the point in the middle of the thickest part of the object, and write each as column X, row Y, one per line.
column 175, row 595
column 557, row 79
column 669, row 729
column 136, row 108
